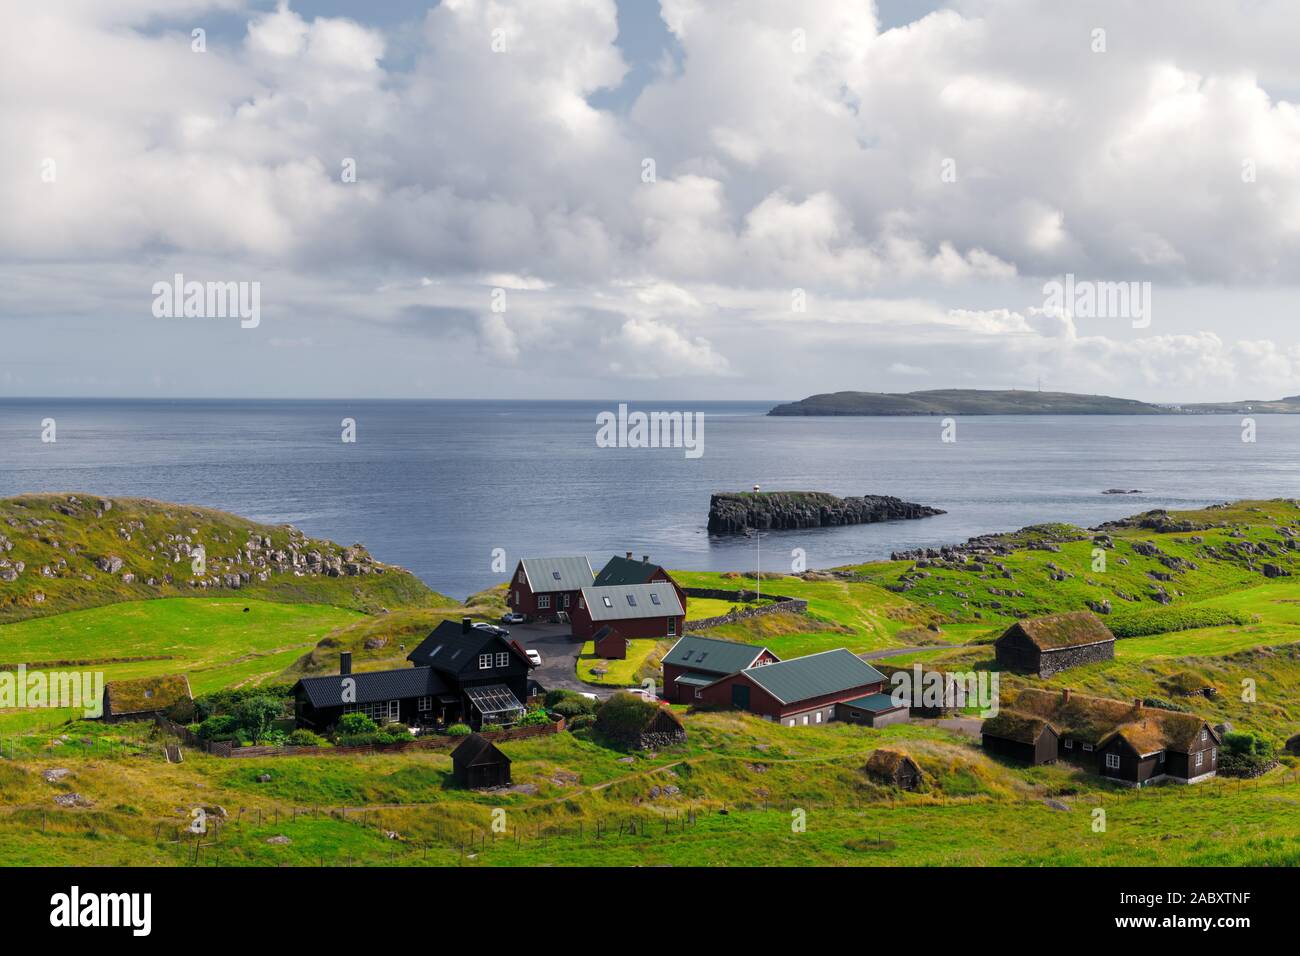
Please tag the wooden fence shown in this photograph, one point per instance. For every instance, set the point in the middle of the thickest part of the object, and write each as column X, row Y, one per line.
column 429, row 742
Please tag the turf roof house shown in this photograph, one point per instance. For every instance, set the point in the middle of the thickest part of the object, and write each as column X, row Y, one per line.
column 814, row 689
column 144, row 697
column 544, row 588
column 1049, row 645
column 1130, row 743
column 634, row 610
column 695, row 662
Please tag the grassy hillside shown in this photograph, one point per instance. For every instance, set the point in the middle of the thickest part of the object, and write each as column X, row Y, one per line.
column 72, row 551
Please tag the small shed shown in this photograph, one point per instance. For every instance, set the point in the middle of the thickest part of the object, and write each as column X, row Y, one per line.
column 142, row 698
column 894, row 768
column 610, row 644
column 1048, row 645
column 478, row 764
column 1030, row 740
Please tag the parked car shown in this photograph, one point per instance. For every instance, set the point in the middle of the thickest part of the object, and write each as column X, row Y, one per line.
column 534, row 658
column 512, row 617
column 492, row 628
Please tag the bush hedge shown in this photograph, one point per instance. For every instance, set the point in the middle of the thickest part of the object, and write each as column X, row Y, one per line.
column 1166, row 620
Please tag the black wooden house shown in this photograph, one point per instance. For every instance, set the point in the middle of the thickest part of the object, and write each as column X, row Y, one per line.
column 486, row 671
column 409, row 695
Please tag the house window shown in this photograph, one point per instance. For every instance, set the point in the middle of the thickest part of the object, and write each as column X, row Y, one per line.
column 503, row 659
column 380, row 711
column 543, row 600
column 424, row 703
column 608, row 602
column 1200, row 756
column 1205, row 734
column 1087, row 748
column 805, row 720
column 631, row 600
column 555, row 575
column 1214, row 753
column 522, row 577
column 1160, row 757
column 484, row 661
column 790, row 722
column 654, row 599
column 672, row 626
column 1069, row 745
column 566, row 599
column 1112, row 761
column 514, row 598
column 581, row 602
column 819, row 716
column 699, row 693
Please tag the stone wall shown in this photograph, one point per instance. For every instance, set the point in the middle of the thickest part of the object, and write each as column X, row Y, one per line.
column 780, row 604
column 1053, row 662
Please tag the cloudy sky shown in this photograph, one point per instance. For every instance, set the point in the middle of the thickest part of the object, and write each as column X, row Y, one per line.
column 705, row 199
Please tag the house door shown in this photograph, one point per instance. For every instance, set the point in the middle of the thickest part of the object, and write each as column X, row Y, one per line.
column 740, row 696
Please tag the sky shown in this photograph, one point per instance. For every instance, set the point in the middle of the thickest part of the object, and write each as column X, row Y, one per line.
column 683, row 199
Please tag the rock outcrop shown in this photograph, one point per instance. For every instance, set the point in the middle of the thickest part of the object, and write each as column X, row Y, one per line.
column 738, row 512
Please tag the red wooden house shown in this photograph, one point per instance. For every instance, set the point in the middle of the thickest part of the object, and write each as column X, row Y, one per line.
column 801, row 691
column 634, row 610
column 695, row 662
column 543, row 588
column 626, row 570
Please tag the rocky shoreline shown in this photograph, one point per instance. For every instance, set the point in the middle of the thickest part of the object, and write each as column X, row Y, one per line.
column 741, row 512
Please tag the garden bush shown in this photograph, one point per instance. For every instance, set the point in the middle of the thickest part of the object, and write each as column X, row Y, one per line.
column 1246, row 754
column 459, row 730
column 353, row 724
column 305, row 738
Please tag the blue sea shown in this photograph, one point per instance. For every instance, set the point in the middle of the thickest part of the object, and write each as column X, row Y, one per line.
column 436, row 486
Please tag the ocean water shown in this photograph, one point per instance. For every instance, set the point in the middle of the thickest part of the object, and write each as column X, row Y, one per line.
column 436, row 486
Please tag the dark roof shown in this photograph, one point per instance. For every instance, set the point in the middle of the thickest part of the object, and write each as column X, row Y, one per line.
column 626, row 571
column 145, row 695
column 887, row 763
column 477, row 749
column 557, row 574
column 816, row 675
column 1097, row 720
column 452, row 649
column 712, row 655
column 876, row 703
column 1057, row 631
column 373, row 686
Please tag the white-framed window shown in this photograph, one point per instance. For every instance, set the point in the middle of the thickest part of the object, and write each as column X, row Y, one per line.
column 543, row 600
column 484, row 661
column 1087, row 748
column 699, row 693
column 567, row 598
column 1069, row 745
column 790, row 722
column 522, row 577
column 1205, row 734
column 503, row 659
column 805, row 720
column 1112, row 761
column 606, row 599
column 672, row 626
column 1200, row 757
column 380, row 711
column 581, row 602
column 1214, row 753
column 819, row 716
column 424, row 703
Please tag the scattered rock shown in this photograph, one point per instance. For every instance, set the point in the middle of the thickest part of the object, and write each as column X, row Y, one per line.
column 54, row 774
column 280, row 840
column 72, row 800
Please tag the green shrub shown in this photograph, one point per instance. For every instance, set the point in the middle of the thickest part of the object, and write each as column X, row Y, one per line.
column 1166, row 620
column 183, row 712
column 534, row 717
column 459, row 730
column 356, row 723
column 574, row 706
column 219, row 727
column 305, row 738
column 491, row 728
column 1246, row 754
column 255, row 715
column 581, row 722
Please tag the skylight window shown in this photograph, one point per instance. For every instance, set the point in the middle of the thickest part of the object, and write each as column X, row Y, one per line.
column 556, row 575
column 631, row 600
column 608, row 602
column 654, row 599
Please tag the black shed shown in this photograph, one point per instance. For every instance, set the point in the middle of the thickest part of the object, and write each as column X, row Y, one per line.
column 478, row 764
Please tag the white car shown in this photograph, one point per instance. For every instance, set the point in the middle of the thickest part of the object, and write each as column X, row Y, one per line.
column 510, row 617
column 533, row 657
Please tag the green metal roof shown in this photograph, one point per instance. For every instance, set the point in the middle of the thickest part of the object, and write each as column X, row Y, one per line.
column 697, row 680
column 711, row 655
column 816, row 675
column 876, row 703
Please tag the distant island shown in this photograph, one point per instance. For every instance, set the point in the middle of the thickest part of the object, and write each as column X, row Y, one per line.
column 739, row 512
column 971, row 401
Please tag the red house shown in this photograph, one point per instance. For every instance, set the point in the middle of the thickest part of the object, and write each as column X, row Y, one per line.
column 695, row 662
column 625, row 570
column 610, row 644
column 801, row 691
column 543, row 588
column 634, row 610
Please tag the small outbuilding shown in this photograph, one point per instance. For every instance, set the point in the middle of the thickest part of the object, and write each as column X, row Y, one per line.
column 894, row 768
column 610, row 644
column 478, row 764
column 874, row 710
column 1051, row 644
column 144, row 697
column 1020, row 737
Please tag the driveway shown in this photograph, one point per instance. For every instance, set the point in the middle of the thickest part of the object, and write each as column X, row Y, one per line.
column 559, row 650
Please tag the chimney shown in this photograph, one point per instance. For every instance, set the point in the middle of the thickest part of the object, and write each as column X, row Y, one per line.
column 645, row 559
column 1065, row 696
column 345, row 663
column 629, row 555
column 465, row 625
